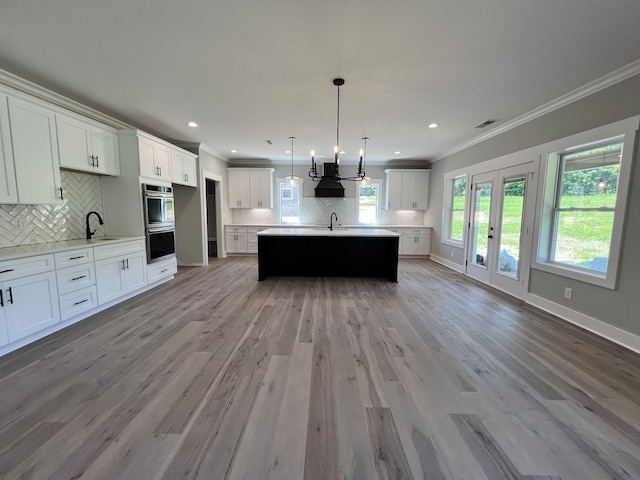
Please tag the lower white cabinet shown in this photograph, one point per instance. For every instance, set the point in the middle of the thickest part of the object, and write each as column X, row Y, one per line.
column 159, row 270
column 416, row 241
column 235, row 239
column 119, row 275
column 29, row 304
column 78, row 301
column 252, row 239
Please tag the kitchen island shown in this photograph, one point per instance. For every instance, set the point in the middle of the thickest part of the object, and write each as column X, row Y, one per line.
column 320, row 252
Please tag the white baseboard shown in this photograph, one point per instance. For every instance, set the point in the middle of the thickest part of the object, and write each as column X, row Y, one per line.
column 447, row 263
column 615, row 334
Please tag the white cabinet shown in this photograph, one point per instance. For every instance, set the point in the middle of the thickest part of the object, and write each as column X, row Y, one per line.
column 183, row 168
column 407, row 189
column 251, row 187
column 261, row 188
column 28, row 297
column 161, row 270
column 414, row 241
column 252, row 239
column 35, row 153
column 120, row 268
column 155, row 159
column 87, row 147
column 8, row 192
column 239, row 188
column 236, row 239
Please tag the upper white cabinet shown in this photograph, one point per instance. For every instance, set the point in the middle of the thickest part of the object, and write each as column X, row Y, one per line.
column 155, row 159
column 407, row 189
column 8, row 192
column 251, row 187
column 87, row 147
column 35, row 154
column 183, row 168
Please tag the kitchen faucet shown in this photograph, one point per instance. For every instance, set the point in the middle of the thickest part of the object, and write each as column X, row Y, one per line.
column 331, row 220
column 89, row 232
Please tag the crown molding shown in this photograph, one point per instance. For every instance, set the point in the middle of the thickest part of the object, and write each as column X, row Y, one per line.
column 26, row 87
column 197, row 147
column 590, row 88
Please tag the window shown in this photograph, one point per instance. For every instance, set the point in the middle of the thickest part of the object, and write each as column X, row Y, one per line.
column 455, row 204
column 289, row 201
column 368, row 202
column 582, row 210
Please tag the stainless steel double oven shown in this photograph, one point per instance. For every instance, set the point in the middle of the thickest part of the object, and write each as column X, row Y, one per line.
column 159, row 222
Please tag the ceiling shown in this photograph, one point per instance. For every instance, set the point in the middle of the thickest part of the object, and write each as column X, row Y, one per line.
column 249, row 71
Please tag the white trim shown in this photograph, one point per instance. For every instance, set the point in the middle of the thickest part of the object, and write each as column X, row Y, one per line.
column 590, row 88
column 447, row 263
column 26, row 87
column 220, row 242
column 600, row 328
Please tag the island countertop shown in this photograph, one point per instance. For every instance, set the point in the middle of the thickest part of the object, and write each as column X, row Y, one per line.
column 325, row 232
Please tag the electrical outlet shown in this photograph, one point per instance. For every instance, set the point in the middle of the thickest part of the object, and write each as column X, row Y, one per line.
column 568, row 292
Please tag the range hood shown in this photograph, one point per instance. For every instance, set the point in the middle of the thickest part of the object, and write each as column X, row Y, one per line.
column 330, row 185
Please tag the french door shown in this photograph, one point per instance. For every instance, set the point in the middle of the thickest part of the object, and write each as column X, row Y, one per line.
column 500, row 228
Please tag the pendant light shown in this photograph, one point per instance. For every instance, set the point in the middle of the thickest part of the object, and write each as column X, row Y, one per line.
column 292, row 179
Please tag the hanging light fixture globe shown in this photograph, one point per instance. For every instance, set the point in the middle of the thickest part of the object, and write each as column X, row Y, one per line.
column 292, row 179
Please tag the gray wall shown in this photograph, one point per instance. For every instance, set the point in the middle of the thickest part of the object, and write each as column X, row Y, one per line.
column 618, row 307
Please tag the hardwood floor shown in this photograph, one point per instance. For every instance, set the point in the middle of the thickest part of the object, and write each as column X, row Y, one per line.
column 217, row 376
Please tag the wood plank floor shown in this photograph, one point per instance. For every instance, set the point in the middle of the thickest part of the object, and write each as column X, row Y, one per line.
column 217, row 376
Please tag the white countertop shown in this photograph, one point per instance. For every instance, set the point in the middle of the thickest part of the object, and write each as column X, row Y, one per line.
column 284, row 225
column 9, row 253
column 325, row 232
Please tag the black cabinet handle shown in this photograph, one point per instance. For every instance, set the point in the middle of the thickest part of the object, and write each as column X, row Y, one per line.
column 127, row 264
column 81, row 301
column 10, row 296
column 8, row 270
column 122, row 263
column 76, row 258
column 97, row 161
column 61, row 195
column 78, row 278
column 1, row 299
column 165, row 270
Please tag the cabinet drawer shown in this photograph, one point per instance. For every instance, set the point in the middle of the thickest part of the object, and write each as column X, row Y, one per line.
column 73, row 257
column 418, row 232
column 236, row 229
column 117, row 249
column 160, row 270
column 78, row 302
column 21, row 267
column 74, row 278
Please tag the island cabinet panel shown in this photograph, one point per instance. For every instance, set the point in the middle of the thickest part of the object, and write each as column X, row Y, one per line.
column 328, row 256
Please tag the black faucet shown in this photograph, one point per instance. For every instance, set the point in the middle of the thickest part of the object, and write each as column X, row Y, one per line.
column 331, row 220
column 89, row 232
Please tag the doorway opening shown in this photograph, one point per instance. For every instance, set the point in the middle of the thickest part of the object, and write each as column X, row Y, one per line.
column 212, row 238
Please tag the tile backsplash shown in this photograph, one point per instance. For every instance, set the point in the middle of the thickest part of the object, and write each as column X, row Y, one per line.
column 316, row 211
column 53, row 223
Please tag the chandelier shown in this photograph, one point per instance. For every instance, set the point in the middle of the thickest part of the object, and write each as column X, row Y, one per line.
column 332, row 169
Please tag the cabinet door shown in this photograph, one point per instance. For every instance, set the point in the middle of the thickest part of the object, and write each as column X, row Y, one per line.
column 189, row 171
column 177, row 173
column 74, row 144
column 8, row 191
column 110, row 279
column 4, row 336
column 239, row 189
column 261, row 189
column 146, row 149
column 35, row 153
column 421, row 190
column 394, row 191
column 423, row 245
column 236, row 242
column 104, row 145
column 30, row 305
column 135, row 271
column 183, row 169
column 409, row 188
column 163, row 161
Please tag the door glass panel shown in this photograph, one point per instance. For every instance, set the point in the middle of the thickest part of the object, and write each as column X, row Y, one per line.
column 511, row 226
column 482, row 214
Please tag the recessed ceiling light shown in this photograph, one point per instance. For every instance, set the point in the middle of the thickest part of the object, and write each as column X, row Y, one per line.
column 192, row 124
column 234, row 151
column 433, row 125
column 287, row 151
column 397, row 152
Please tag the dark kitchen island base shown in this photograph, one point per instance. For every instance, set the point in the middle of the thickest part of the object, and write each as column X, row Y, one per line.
column 328, row 256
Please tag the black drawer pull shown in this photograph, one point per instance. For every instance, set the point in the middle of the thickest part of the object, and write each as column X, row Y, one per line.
column 81, row 301
column 165, row 270
column 1, row 299
column 76, row 258
column 9, row 270
column 78, row 278
column 10, row 296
